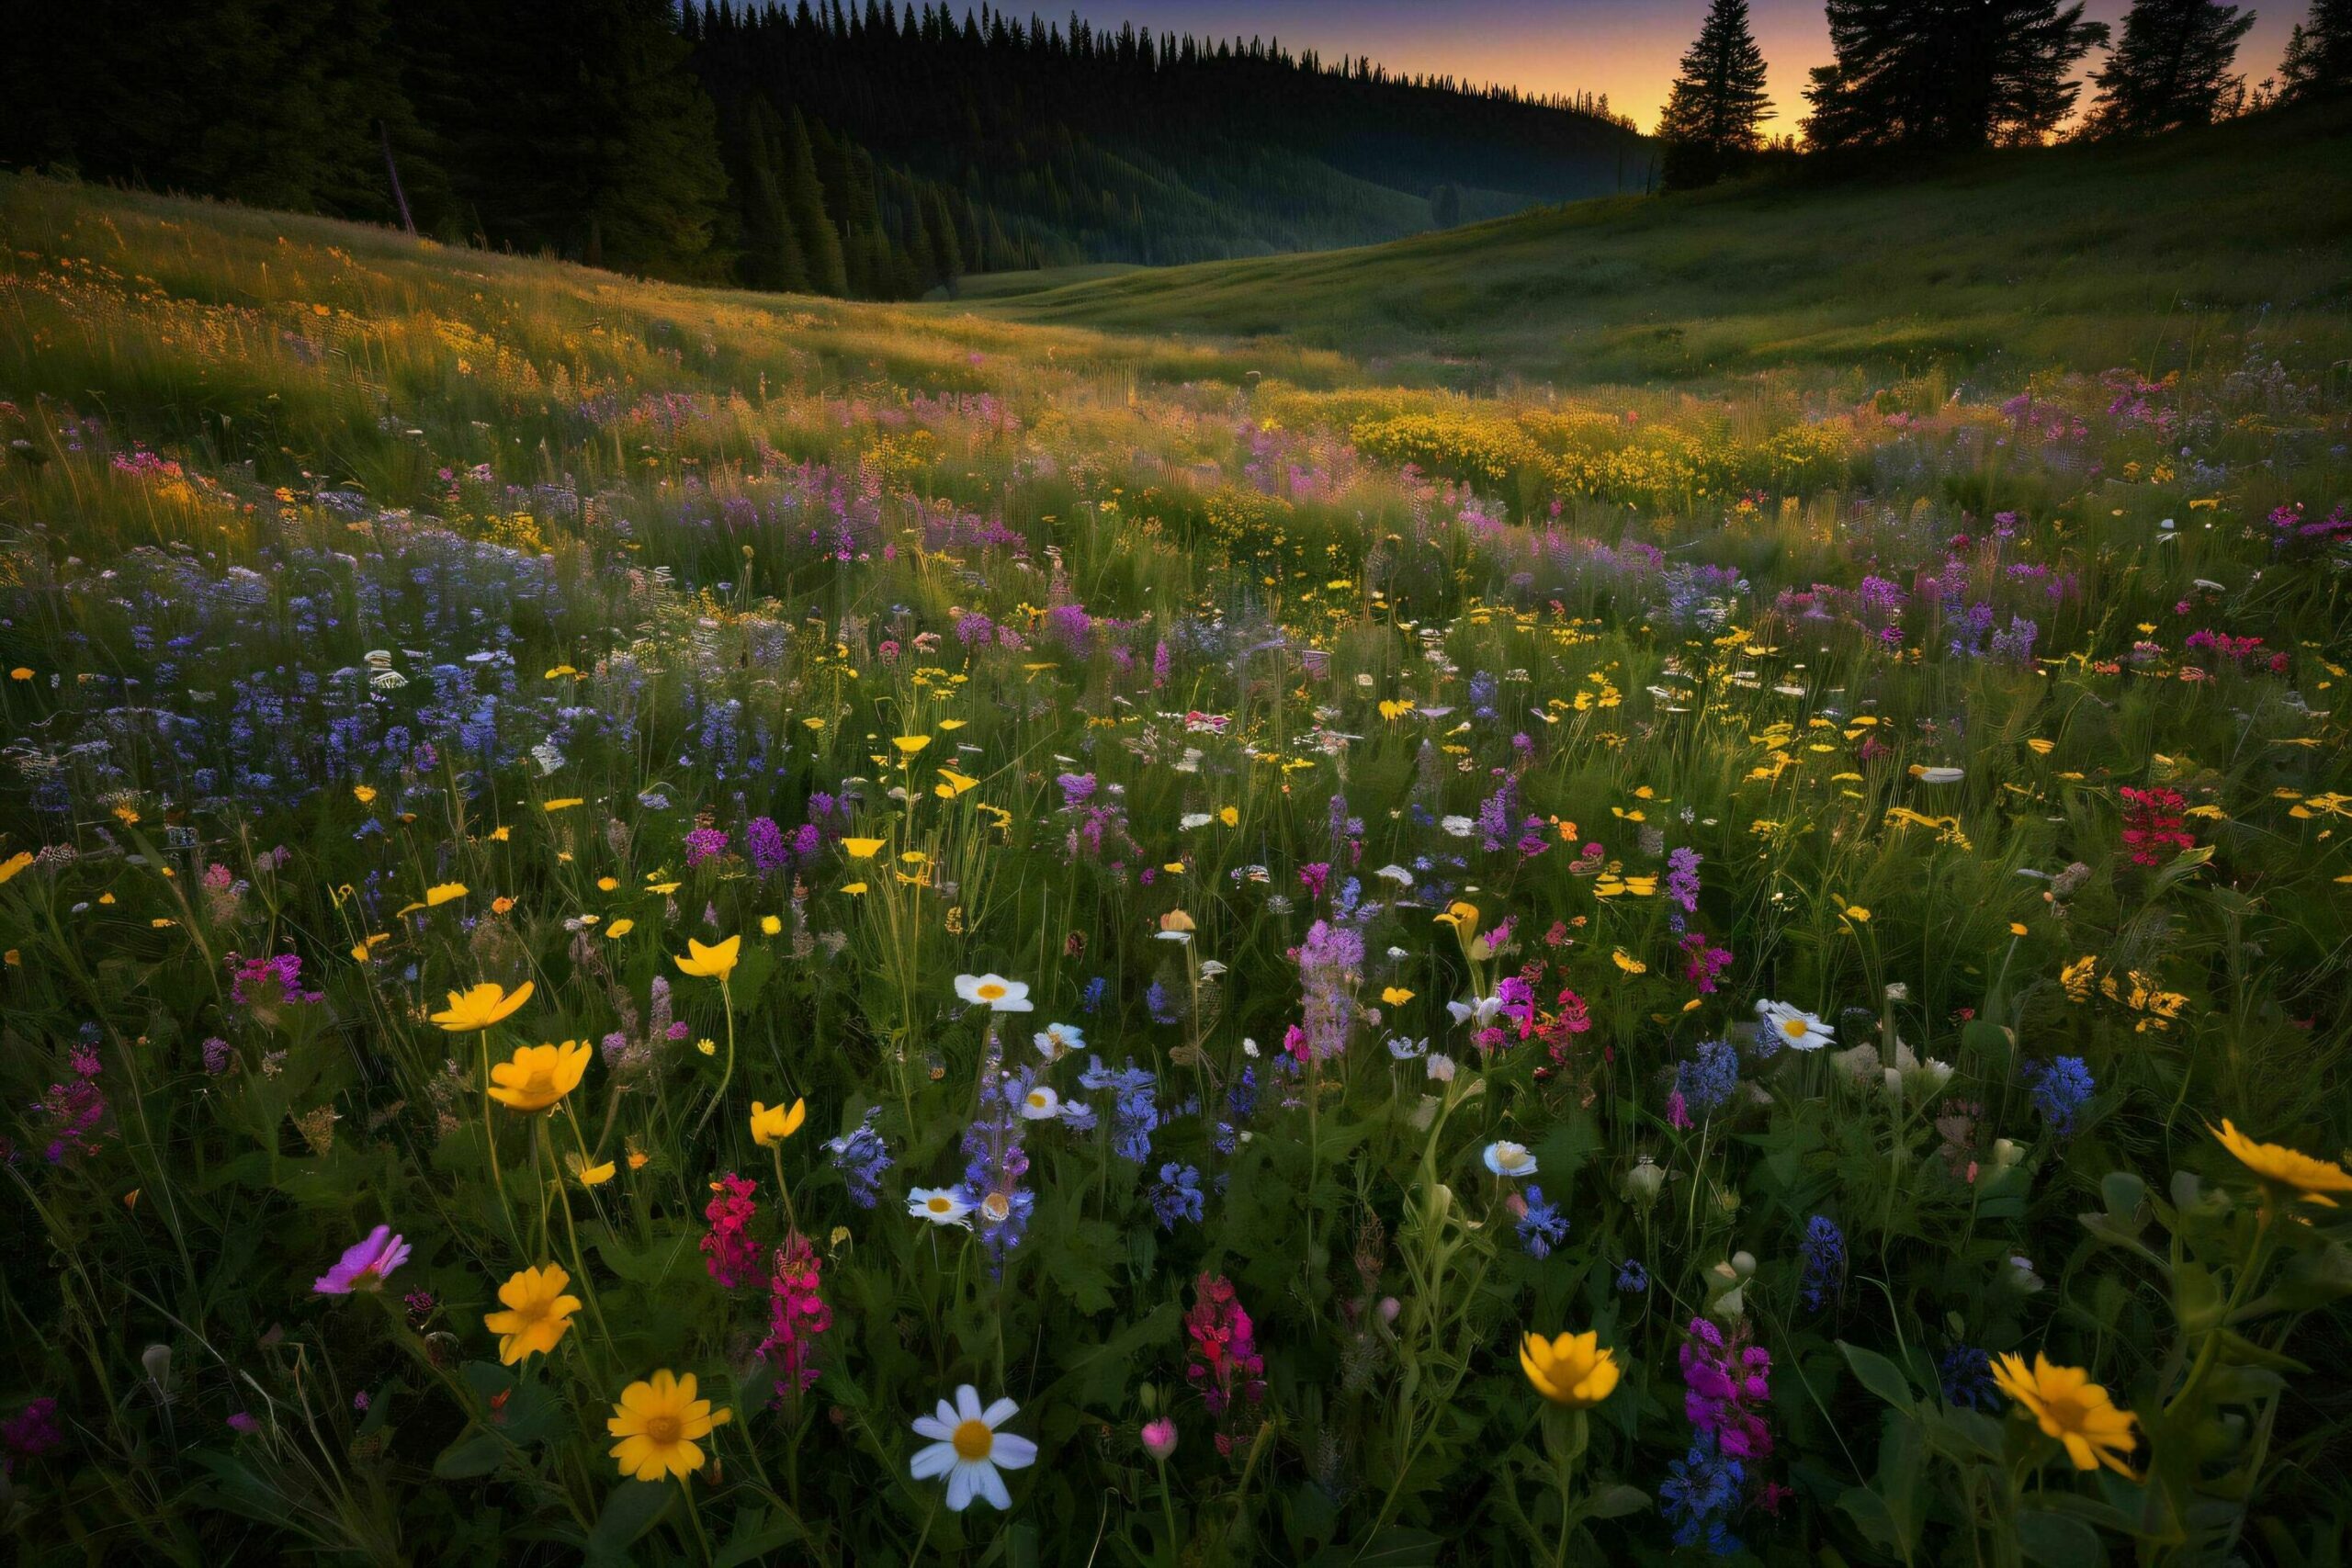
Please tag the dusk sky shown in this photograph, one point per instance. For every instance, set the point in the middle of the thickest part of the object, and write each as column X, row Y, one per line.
column 1628, row 49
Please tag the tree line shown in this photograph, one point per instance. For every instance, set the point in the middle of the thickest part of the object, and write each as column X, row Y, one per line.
column 877, row 149
column 1958, row 76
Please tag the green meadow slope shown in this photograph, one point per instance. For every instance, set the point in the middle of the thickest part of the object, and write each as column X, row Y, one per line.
column 2049, row 258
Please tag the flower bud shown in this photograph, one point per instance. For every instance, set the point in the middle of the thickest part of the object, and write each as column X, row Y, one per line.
column 1390, row 1309
column 1160, row 1439
column 1645, row 1181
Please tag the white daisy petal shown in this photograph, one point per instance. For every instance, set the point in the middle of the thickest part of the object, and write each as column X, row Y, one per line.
column 997, row 1415
column 962, row 1481
column 931, row 1427
column 935, row 1458
column 1013, row 1451
column 968, row 1402
column 993, row 1487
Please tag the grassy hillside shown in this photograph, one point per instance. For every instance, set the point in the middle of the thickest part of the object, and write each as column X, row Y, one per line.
column 2077, row 256
column 532, row 804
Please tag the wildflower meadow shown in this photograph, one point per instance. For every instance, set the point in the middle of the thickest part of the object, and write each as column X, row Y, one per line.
column 657, row 925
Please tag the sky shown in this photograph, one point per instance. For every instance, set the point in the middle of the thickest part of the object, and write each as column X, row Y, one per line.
column 1628, row 49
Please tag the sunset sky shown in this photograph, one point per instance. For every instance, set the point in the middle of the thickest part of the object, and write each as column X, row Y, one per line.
column 1628, row 49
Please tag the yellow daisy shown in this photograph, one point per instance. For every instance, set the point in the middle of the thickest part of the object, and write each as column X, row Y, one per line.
column 2071, row 1408
column 537, row 1313
column 660, row 1423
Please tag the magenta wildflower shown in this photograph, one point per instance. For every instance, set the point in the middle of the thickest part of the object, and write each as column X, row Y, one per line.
column 28, row 1434
column 1224, row 1363
column 728, row 1252
column 796, row 1315
column 1726, row 1388
column 73, row 1111
column 365, row 1264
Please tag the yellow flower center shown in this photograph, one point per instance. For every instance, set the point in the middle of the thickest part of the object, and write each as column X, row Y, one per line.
column 1037, row 1097
column 541, row 1083
column 940, row 1203
column 2066, row 1412
column 1795, row 1027
column 973, row 1440
column 664, row 1429
column 991, row 993
column 997, row 1207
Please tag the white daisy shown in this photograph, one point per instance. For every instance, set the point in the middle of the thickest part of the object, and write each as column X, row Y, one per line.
column 1041, row 1104
column 1794, row 1027
column 1059, row 1039
column 940, row 1205
column 1507, row 1158
column 1459, row 826
column 994, row 992
column 969, row 1451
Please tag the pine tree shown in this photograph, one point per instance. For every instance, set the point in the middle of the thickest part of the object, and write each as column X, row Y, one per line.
column 771, row 250
column 1712, row 112
column 804, row 203
column 2319, row 53
column 2171, row 69
column 1948, row 73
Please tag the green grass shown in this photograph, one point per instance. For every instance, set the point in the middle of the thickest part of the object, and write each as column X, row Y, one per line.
column 436, row 619
column 2074, row 257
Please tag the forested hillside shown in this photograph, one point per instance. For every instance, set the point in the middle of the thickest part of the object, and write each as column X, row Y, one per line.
column 879, row 151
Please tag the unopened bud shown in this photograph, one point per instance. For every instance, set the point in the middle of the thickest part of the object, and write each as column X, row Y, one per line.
column 1160, row 1439
column 1645, row 1181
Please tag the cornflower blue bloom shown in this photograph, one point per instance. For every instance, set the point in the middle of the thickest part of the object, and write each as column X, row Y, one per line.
column 1134, row 1115
column 1966, row 1373
column 1155, row 1002
column 2061, row 1089
column 861, row 1156
column 1700, row 1491
column 1632, row 1278
column 1823, row 1256
column 1091, row 998
column 1177, row 1195
column 1543, row 1226
column 1708, row 1082
column 1240, row 1104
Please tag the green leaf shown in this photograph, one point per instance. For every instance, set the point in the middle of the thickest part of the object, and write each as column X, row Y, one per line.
column 631, row 1509
column 474, row 1455
column 2055, row 1540
column 2122, row 1192
column 1397, row 1547
column 1881, row 1376
column 1616, row 1501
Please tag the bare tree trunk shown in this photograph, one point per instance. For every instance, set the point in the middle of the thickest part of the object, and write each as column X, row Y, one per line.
column 400, row 197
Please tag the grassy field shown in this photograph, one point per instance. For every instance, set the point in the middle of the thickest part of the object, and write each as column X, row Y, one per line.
column 560, row 834
column 2078, row 257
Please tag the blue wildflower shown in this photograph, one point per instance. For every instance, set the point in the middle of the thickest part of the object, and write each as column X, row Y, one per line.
column 2061, row 1089
column 1177, row 1195
column 1543, row 1226
column 1823, row 1257
column 861, row 1156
